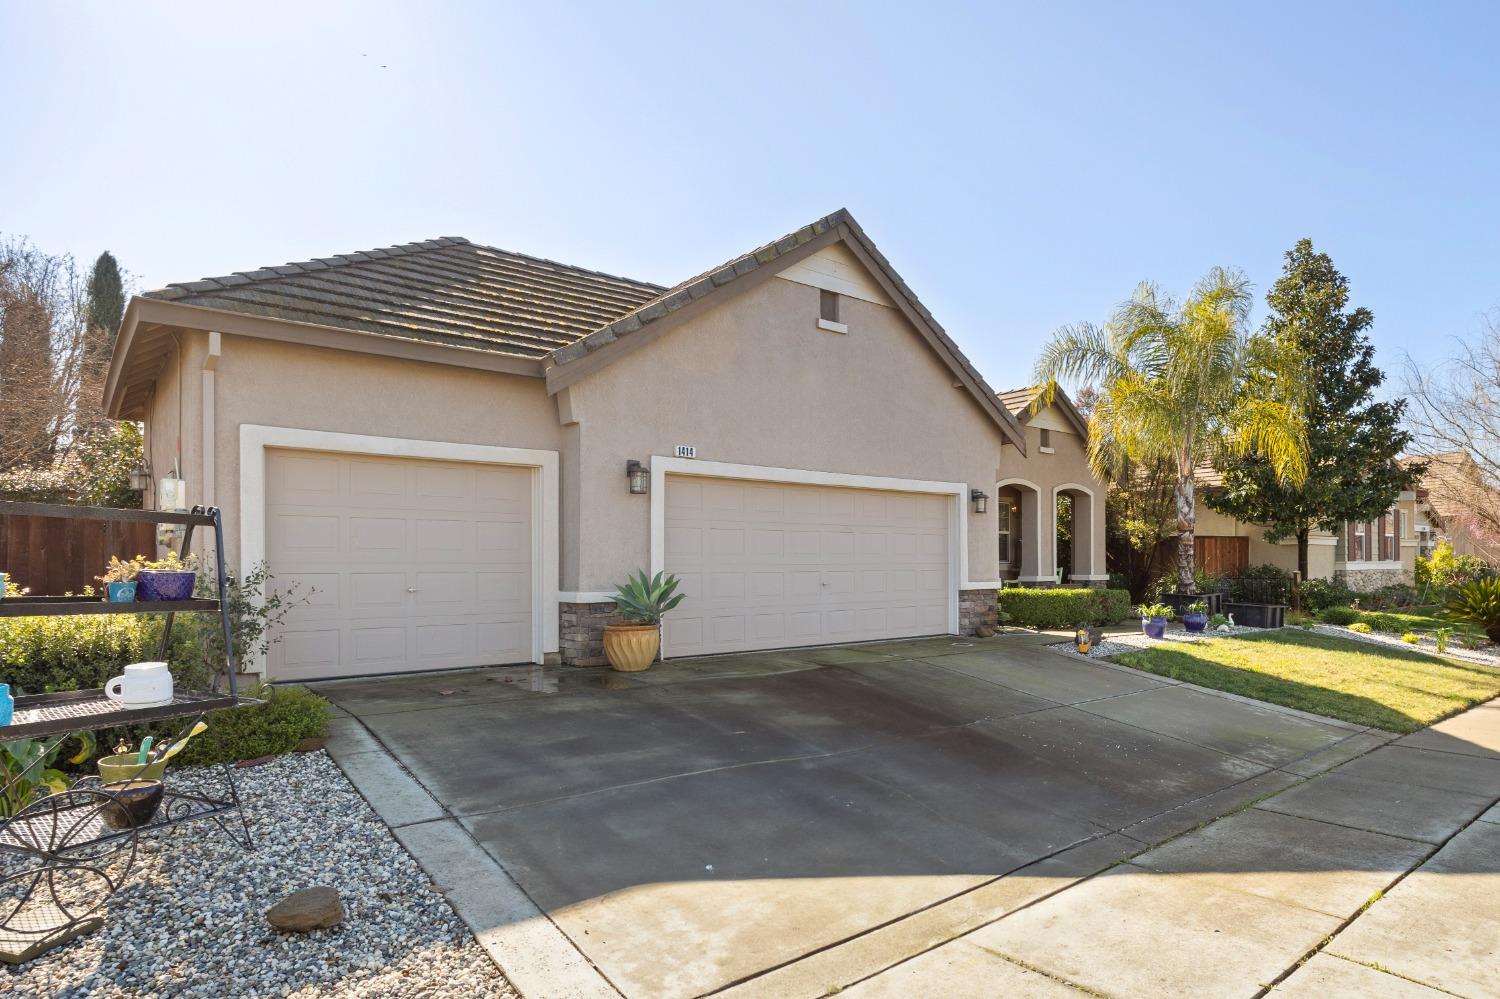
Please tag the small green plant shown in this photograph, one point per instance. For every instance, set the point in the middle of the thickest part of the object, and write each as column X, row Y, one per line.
column 122, row 572
column 1478, row 603
column 172, row 562
column 1338, row 615
column 1383, row 622
column 1411, row 638
column 1196, row 607
column 34, row 759
column 643, row 600
column 286, row 716
column 1440, row 635
column 1156, row 610
column 1217, row 620
column 1359, row 627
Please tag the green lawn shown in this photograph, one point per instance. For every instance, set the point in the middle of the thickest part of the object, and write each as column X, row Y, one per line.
column 1398, row 690
column 1422, row 619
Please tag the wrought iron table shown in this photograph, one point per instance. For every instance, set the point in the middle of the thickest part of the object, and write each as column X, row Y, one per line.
column 62, row 855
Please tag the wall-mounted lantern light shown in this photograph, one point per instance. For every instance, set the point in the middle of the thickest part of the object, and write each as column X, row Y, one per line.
column 639, row 476
column 981, row 500
column 140, row 478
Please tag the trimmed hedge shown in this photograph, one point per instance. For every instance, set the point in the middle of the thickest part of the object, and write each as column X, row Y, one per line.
column 1338, row 615
column 286, row 716
column 1064, row 608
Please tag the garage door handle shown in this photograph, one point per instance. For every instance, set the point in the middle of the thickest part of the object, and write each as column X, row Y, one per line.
column 411, row 589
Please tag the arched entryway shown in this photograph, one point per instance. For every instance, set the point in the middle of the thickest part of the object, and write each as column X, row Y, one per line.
column 1073, row 519
column 1024, row 544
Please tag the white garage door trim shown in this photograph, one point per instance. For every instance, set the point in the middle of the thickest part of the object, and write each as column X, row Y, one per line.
column 958, row 534
column 545, row 538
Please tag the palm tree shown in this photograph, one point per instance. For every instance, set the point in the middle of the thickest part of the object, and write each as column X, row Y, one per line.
column 1183, row 384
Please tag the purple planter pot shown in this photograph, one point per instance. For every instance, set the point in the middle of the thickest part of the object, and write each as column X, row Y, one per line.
column 1154, row 627
column 1195, row 622
column 164, row 584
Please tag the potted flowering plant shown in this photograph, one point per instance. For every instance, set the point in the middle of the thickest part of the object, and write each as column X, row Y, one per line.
column 631, row 643
column 1154, row 618
column 119, row 579
column 1195, row 615
column 170, row 578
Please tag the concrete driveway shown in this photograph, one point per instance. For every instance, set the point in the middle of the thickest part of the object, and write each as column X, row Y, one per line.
column 790, row 823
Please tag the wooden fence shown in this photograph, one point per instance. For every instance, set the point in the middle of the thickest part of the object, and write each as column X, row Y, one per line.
column 1222, row 556
column 52, row 555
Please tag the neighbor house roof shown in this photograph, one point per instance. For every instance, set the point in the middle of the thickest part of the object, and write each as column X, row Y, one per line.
column 446, row 291
column 1018, row 402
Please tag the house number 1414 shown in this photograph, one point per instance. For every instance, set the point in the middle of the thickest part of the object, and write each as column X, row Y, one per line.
column 687, row 451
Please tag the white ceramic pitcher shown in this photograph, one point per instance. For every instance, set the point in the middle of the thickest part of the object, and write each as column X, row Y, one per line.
column 143, row 685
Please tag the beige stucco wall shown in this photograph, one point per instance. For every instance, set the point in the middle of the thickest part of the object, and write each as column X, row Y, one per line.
column 1068, row 465
column 289, row 385
column 753, row 381
column 1324, row 554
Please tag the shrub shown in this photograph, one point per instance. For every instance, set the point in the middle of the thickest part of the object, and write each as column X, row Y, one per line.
column 1318, row 594
column 286, row 717
column 1411, row 638
column 1360, row 627
column 1478, row 603
column 1338, row 615
column 1261, row 584
column 1064, row 608
column 1444, row 569
column 1217, row 620
column 1384, row 622
column 1440, row 635
column 74, row 652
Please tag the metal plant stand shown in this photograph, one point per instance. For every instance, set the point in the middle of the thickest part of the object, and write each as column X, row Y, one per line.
column 62, row 855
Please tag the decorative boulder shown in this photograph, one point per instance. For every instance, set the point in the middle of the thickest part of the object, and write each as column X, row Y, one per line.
column 308, row 909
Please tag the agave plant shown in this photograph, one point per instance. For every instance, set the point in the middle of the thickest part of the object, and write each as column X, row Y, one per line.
column 643, row 599
column 1478, row 603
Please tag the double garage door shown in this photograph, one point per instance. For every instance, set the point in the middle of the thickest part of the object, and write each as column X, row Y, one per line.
column 771, row 565
column 409, row 564
column 412, row 564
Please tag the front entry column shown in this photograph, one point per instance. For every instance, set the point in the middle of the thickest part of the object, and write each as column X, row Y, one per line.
column 1038, row 534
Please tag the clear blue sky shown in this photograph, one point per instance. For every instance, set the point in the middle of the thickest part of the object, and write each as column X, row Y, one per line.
column 1022, row 165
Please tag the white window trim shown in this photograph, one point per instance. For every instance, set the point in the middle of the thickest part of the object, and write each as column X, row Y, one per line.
column 1009, row 531
column 830, row 326
column 957, row 492
column 545, row 528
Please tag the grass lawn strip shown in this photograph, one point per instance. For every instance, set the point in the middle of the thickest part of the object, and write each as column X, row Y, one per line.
column 1396, row 689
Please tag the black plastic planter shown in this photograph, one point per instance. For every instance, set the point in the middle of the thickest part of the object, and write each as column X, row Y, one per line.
column 1257, row 615
column 1179, row 602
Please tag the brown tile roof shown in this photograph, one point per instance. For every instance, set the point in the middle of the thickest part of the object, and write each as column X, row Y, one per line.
column 1018, row 400
column 445, row 291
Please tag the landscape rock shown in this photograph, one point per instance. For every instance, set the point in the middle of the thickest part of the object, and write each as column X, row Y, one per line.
column 309, row 909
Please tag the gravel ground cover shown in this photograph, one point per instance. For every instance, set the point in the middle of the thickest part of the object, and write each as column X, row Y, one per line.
column 1488, row 655
column 1130, row 641
column 191, row 920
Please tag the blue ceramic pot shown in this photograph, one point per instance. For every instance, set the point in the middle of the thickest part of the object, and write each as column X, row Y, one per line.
column 165, row 584
column 121, row 593
column 1154, row 627
column 1195, row 622
column 7, row 704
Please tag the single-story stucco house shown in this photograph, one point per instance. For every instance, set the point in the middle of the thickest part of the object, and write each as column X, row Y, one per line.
column 459, row 451
column 1366, row 556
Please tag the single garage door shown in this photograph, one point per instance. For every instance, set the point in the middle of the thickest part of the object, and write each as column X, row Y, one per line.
column 766, row 565
column 411, row 564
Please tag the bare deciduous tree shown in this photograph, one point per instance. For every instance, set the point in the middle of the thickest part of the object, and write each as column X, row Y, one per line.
column 1455, row 412
column 43, row 355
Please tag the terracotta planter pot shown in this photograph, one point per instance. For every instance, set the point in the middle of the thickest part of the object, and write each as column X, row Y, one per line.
column 631, row 648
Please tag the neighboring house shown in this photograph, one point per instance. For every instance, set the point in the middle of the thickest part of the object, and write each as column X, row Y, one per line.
column 1367, row 556
column 459, row 450
column 1456, row 505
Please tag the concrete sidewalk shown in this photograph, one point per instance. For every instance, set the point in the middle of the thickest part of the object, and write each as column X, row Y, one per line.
column 1379, row 878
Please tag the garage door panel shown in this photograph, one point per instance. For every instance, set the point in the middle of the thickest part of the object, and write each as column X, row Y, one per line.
column 818, row 564
column 408, row 564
